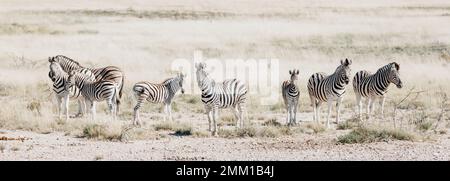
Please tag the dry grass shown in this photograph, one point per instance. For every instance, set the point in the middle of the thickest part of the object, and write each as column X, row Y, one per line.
column 371, row 134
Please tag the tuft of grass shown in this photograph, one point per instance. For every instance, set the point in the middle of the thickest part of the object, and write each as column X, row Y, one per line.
column 200, row 134
column 179, row 129
column 349, row 124
column 183, row 130
column 425, row 126
column 101, row 132
column 316, row 128
column 370, row 135
column 227, row 120
column 272, row 122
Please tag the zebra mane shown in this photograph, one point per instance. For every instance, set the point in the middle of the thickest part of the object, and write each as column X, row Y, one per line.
column 168, row 81
column 65, row 58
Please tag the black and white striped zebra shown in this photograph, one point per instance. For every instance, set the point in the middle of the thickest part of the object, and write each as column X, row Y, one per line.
column 59, row 79
column 157, row 93
column 375, row 86
column 291, row 95
column 95, row 91
column 227, row 94
column 323, row 88
column 109, row 73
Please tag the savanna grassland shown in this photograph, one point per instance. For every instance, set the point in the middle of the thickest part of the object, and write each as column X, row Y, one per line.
column 144, row 37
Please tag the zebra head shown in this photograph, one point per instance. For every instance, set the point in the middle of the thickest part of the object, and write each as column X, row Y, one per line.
column 344, row 71
column 201, row 73
column 180, row 78
column 294, row 75
column 394, row 75
column 55, row 70
column 70, row 80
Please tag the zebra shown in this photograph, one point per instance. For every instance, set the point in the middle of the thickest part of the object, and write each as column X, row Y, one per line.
column 109, row 73
column 323, row 88
column 227, row 94
column 59, row 79
column 157, row 93
column 95, row 91
column 375, row 86
column 291, row 95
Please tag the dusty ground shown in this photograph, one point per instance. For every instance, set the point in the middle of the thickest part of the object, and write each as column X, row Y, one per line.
column 56, row 146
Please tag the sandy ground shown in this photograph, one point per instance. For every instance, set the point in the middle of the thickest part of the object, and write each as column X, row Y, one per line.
column 56, row 146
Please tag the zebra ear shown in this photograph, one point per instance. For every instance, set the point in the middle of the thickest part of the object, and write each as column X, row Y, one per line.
column 347, row 62
column 290, row 72
column 396, row 65
column 298, row 71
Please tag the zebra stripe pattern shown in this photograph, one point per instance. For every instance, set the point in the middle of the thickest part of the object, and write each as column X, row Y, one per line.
column 157, row 93
column 228, row 94
column 59, row 79
column 109, row 73
column 291, row 95
column 95, row 91
column 323, row 88
column 375, row 86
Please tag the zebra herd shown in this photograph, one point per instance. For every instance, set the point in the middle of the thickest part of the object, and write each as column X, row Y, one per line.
column 88, row 86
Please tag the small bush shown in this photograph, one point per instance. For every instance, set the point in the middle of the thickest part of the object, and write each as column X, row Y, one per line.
column 425, row 126
column 227, row 120
column 183, row 130
column 369, row 135
column 101, row 132
column 349, row 124
column 272, row 122
column 317, row 128
column 246, row 132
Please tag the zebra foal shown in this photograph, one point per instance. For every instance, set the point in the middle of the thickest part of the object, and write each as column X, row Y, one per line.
column 375, row 86
column 323, row 88
column 157, row 93
column 95, row 91
column 227, row 94
column 291, row 94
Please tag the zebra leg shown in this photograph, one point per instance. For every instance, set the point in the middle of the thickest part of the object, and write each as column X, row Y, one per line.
column 241, row 110
column 368, row 108
column 208, row 114
column 93, row 111
column 359, row 104
column 66, row 107
column 330, row 105
column 295, row 112
column 215, row 116
column 372, row 101
column 338, row 109
column 165, row 112
column 236, row 116
column 383, row 99
column 318, row 111
column 111, row 109
column 288, row 115
column 169, row 109
column 59, row 107
column 137, row 118
column 313, row 103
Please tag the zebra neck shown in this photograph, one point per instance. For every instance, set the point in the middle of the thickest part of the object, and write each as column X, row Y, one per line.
column 207, row 85
column 338, row 83
column 381, row 79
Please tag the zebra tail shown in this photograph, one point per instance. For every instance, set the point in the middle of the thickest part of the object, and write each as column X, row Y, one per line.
column 121, row 89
